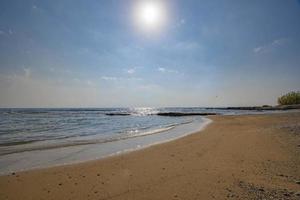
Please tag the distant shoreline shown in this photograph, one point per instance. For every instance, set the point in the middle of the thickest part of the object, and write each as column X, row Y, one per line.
column 242, row 108
column 260, row 108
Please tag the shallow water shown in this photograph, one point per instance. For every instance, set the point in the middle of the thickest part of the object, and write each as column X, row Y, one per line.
column 34, row 138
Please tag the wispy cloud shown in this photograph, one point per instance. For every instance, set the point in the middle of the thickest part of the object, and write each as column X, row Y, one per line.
column 269, row 47
column 109, row 78
column 161, row 69
column 114, row 78
column 131, row 71
column 6, row 32
column 165, row 70
column 10, row 31
column 258, row 49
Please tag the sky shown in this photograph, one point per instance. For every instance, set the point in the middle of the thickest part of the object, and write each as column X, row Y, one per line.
column 100, row 53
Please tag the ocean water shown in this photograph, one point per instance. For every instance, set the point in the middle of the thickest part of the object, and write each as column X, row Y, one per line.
column 36, row 138
column 25, row 128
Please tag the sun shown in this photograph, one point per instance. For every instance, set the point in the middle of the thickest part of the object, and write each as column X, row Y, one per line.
column 150, row 15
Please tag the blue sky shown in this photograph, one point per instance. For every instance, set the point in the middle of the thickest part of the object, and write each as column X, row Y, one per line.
column 84, row 53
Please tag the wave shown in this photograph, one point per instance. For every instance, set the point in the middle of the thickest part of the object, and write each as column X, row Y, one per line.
column 53, row 144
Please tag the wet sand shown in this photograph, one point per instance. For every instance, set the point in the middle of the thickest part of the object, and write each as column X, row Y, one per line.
column 235, row 157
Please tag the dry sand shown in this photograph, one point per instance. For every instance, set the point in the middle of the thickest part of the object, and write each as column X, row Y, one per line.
column 236, row 157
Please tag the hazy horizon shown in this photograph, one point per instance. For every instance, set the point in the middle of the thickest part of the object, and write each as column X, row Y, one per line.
column 148, row 53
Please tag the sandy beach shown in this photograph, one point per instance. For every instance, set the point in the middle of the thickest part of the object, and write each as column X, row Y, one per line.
column 235, row 157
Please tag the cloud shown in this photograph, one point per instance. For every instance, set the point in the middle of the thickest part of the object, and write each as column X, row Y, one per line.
column 131, row 71
column 257, row 49
column 165, row 70
column 7, row 32
column 113, row 78
column 161, row 69
column 269, row 47
column 109, row 78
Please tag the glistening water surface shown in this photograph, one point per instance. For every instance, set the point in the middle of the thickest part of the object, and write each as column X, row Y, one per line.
column 32, row 138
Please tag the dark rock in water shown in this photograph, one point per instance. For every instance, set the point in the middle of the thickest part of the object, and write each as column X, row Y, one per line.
column 117, row 114
column 179, row 114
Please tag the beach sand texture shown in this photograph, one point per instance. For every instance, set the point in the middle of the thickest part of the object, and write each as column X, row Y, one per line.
column 235, row 157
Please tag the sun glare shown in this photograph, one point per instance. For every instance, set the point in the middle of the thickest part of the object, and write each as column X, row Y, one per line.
column 150, row 15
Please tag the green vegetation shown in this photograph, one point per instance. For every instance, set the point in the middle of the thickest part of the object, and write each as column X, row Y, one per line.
column 290, row 98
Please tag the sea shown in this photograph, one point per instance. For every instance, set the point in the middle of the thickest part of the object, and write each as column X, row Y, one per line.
column 37, row 138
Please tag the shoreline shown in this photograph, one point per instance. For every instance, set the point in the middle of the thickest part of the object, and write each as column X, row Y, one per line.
column 56, row 157
column 230, row 158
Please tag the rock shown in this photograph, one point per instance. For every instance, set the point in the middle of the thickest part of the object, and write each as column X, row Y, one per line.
column 117, row 114
column 287, row 194
column 179, row 114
